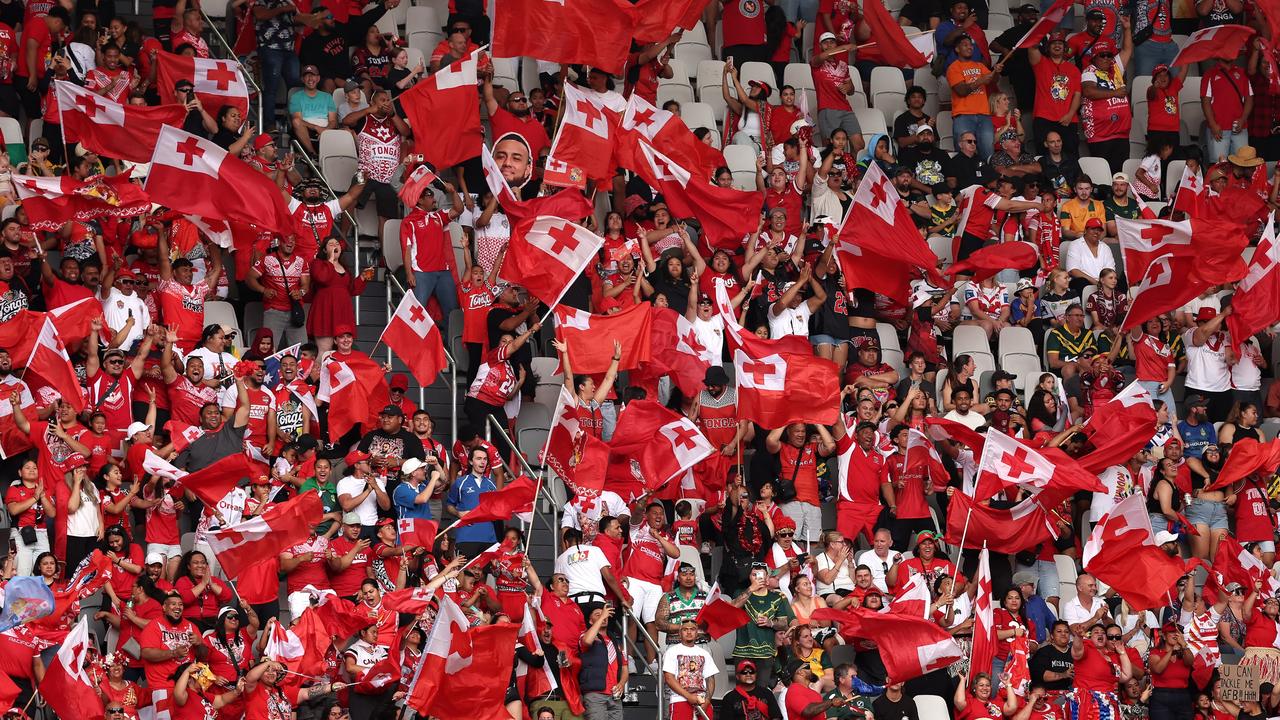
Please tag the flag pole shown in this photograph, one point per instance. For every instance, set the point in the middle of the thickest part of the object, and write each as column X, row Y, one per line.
column 964, row 534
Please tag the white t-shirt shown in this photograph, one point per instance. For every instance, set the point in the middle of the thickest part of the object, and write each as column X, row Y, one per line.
column 116, row 309
column 1080, row 258
column 1074, row 612
column 842, row 581
column 789, row 321
column 971, row 419
column 1210, row 301
column 690, row 666
column 1207, row 367
column 581, row 564
column 584, row 514
column 85, row 521
column 879, row 567
column 368, row 508
column 1245, row 374
column 710, row 334
column 1120, row 485
column 216, row 364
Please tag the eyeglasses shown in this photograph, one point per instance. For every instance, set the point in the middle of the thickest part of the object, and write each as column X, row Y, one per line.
column 519, row 99
column 116, row 361
column 968, row 142
column 115, row 710
column 126, row 282
column 559, row 579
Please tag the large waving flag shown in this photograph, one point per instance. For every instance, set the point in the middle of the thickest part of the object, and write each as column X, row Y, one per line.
column 127, row 132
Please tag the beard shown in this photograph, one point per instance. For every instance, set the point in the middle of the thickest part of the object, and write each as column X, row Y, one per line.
column 521, row 113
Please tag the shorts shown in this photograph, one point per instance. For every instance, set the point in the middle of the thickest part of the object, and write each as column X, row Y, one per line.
column 386, row 201
column 1210, row 513
column 168, row 551
column 645, row 597
column 808, row 519
column 857, row 335
column 831, row 120
column 969, row 244
column 816, row 340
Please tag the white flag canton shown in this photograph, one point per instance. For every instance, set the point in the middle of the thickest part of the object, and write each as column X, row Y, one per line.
column 219, row 77
column 643, row 117
column 460, row 74
column 569, row 317
column 411, row 313
column 37, row 186
column 1265, row 257
column 664, row 167
column 767, row 373
column 1014, row 462
column 878, row 194
column 95, row 107
column 243, row 533
column 184, row 151
column 581, row 110
column 572, row 245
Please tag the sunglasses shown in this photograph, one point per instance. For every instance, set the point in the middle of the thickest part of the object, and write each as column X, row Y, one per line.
column 1114, row 637
column 519, row 99
column 746, row 671
column 115, row 710
column 786, row 534
column 116, row 361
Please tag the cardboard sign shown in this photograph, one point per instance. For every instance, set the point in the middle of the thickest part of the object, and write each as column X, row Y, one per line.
column 1239, row 683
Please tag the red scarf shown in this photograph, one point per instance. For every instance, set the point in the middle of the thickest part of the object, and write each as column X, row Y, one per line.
column 751, row 702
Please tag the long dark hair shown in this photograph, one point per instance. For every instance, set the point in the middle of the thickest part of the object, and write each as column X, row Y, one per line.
column 775, row 28
column 184, row 564
column 1036, row 409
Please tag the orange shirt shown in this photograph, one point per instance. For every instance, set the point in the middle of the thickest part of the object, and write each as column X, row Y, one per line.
column 975, row 103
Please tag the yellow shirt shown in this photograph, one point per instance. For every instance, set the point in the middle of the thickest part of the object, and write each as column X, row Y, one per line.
column 975, row 103
column 1074, row 214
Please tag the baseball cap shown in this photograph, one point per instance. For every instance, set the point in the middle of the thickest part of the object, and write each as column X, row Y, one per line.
column 392, row 411
column 1159, row 69
column 1164, row 536
column 262, row 141
column 355, row 456
column 135, row 428
column 183, row 84
column 926, row 535
column 1195, row 401
column 1095, row 15
column 745, row 664
column 410, row 465
column 1027, row 8
column 76, row 460
column 260, row 480
column 999, row 375
column 1205, row 314
column 350, row 518
column 343, row 329
column 399, row 381
column 154, row 558
column 1009, row 135
column 1094, row 223
column 1103, row 47
column 924, row 128
column 385, row 522
column 1119, row 177
column 310, row 70
column 1025, row 577
column 826, row 36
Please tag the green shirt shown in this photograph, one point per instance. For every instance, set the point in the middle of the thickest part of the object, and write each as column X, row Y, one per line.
column 858, row 707
column 328, row 496
column 757, row 642
column 1129, row 211
column 1068, row 346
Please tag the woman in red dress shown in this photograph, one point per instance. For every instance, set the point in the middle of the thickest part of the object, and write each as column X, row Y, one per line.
column 335, row 284
column 115, row 691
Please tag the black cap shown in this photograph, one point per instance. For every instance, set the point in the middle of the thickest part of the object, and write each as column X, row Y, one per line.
column 716, row 376
column 1002, row 375
column 1095, row 15
column 393, row 410
column 1004, row 391
column 1027, row 8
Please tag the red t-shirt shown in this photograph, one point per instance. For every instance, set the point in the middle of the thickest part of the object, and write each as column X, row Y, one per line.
column 908, row 486
column 274, row 273
column 112, row 396
column 1226, row 89
column 183, row 305
column 743, row 23
column 425, row 242
column 860, row 472
column 347, row 582
column 788, row 199
column 262, row 403
column 476, row 301
column 1152, row 359
column 186, row 399
column 1163, row 112
column 1175, row 675
column 981, row 205
column 1095, row 670
column 800, row 697
column 1056, row 85
column 827, row 79
column 164, row 635
column 100, row 447
column 59, row 292
column 33, row 516
column 806, row 474
column 529, row 128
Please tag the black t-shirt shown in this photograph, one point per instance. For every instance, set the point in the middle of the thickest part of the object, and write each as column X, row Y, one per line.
column 328, row 53
column 403, row 444
column 1060, row 175
column 225, row 138
column 1018, row 67
column 885, row 709
column 734, row 707
column 1048, row 657
column 905, row 124
column 499, row 314
column 964, row 169
column 929, row 167
column 677, row 291
column 833, row 317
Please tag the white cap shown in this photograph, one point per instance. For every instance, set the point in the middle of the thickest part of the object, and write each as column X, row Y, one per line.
column 410, row 465
column 826, row 36
column 135, row 428
column 1164, row 536
column 153, row 558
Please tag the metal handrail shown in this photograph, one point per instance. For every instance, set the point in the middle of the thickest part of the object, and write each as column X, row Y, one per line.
column 543, row 491
column 231, row 55
column 453, row 366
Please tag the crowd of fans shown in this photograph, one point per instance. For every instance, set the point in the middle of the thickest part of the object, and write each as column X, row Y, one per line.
column 158, row 378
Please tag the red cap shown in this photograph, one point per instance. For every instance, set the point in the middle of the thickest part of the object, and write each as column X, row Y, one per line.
column 1104, row 45
column 262, row 141
column 355, row 456
column 143, row 239
column 783, row 522
column 399, row 381
column 1206, row 313
column 260, row 480
column 343, row 329
column 75, row 461
column 125, row 273
column 385, row 522
column 1094, row 223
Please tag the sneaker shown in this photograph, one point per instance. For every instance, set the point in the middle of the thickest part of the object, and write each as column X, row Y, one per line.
column 706, row 548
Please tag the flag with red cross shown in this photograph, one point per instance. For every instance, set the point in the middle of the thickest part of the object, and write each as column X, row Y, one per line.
column 216, row 82
column 546, row 255
column 413, row 335
column 109, row 128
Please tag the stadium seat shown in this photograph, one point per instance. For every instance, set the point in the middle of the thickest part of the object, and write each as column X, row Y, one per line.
column 1026, row 369
column 215, row 8
column 218, row 312
column 891, row 105
column 337, row 158
column 697, row 114
column 760, row 72
column 674, row 91
column 392, row 254
column 693, row 48
column 941, row 247
column 1097, row 170
column 886, row 80
column 547, row 370
column 741, row 159
column 871, row 122
column 1015, row 340
column 1173, row 177
column 1191, row 110
column 946, row 141
column 931, row 707
column 710, row 76
column 423, row 28
column 506, row 74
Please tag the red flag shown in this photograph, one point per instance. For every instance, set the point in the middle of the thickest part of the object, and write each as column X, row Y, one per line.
column 727, row 214
column 874, row 272
column 303, row 646
column 8, row 693
column 216, row 82
column 107, row 127
column 355, row 388
column 67, row 687
column 567, row 204
column 246, row 543
column 534, row 682
column 777, row 387
column 342, row 617
column 1122, row 553
column 1018, row 668
column 1189, row 194
column 1119, row 428
column 413, row 335
column 181, row 434
column 665, row 443
column 990, row 260
column 212, row 482
column 670, row 136
column 674, row 352
column 1233, row 563
column 1004, row 530
column 516, row 497
column 194, row 175
column 1247, row 457
column 891, row 42
column 73, row 320
column 413, row 600
column 1256, row 303
column 570, row 32
column 586, row 136
column 719, row 615
column 1015, row 464
column 51, row 202
column 49, row 372
column 659, row 18
column 984, row 629
column 416, row 532
column 590, row 337
column 880, row 223
column 381, row 675
column 454, row 679
column 446, row 103
column 939, row 429
column 1176, row 261
column 1219, row 41
column 909, row 646
column 564, row 437
column 414, row 185
column 546, row 255
column 1045, row 25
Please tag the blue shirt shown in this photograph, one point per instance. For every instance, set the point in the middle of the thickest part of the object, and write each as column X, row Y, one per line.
column 1196, row 438
column 465, row 495
column 313, row 109
column 404, row 498
column 945, row 28
column 1039, row 613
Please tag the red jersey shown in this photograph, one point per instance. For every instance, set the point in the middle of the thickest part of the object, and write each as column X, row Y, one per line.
column 477, row 298
column 1253, row 518
column 1056, row 85
column 312, row 572
column 860, row 472
column 827, row 79
column 1106, row 118
column 1226, row 89
column 33, row 516
column 183, row 305
column 276, row 273
column 425, row 242
column 1164, row 114
column 909, row 486
column 164, row 635
column 100, row 447
column 789, row 199
column 977, row 211
column 262, row 403
column 347, row 582
column 742, row 22
column 1152, row 359
column 719, row 422
column 495, row 380
column 313, row 224
column 805, row 472
column 186, row 399
column 646, row 560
